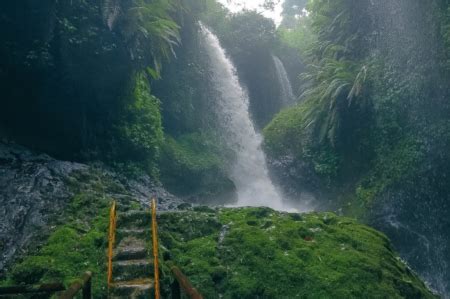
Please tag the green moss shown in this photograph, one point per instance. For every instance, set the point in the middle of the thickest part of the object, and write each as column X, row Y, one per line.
column 283, row 135
column 256, row 252
column 193, row 165
column 242, row 253
column 290, row 134
column 140, row 132
column 78, row 244
column 66, row 255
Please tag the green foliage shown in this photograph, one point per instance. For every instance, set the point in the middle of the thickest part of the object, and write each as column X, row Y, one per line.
column 392, row 166
column 368, row 102
column 249, row 38
column 289, row 134
column 299, row 37
column 151, row 31
column 334, row 84
column 215, row 14
column 195, row 151
column 326, row 163
column 141, row 134
column 373, row 115
column 194, row 165
column 78, row 238
column 257, row 252
column 78, row 112
column 185, row 98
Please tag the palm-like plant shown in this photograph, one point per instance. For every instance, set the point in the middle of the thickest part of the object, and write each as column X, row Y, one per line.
column 150, row 30
column 328, row 84
column 333, row 80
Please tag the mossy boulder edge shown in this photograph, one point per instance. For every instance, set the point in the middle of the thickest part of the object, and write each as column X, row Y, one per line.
column 261, row 253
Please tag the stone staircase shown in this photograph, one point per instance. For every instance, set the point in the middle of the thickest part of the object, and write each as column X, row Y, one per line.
column 132, row 260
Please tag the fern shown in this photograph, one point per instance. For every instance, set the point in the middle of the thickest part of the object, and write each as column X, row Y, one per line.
column 326, row 84
column 334, row 80
column 150, row 29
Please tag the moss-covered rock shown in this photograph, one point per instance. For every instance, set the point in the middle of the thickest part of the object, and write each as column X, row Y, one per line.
column 241, row 253
column 193, row 166
column 260, row 253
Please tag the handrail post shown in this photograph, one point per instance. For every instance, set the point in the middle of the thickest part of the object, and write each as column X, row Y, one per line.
column 75, row 287
column 111, row 240
column 155, row 249
column 176, row 291
column 87, row 289
column 47, row 288
column 184, row 283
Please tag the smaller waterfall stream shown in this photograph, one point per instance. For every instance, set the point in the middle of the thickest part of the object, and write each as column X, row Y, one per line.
column 110, row 12
column 287, row 95
column 249, row 172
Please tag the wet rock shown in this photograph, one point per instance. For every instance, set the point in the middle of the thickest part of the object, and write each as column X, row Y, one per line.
column 35, row 189
column 32, row 191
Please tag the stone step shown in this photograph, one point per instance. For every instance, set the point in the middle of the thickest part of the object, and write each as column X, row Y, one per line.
column 134, row 219
column 139, row 233
column 135, row 289
column 131, row 253
column 131, row 249
column 126, row 202
column 130, row 241
column 132, row 269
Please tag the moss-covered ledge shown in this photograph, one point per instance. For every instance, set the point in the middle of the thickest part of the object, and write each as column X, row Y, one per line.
column 239, row 253
column 261, row 253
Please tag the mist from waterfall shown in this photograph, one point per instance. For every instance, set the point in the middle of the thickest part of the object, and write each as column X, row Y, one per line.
column 287, row 95
column 249, row 171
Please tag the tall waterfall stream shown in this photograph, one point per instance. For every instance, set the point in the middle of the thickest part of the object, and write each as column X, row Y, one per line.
column 249, row 171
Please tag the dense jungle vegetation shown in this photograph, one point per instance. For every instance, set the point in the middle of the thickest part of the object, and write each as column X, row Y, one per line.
column 371, row 127
column 125, row 84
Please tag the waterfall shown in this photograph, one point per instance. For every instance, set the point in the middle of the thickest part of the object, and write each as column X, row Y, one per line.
column 287, row 96
column 249, row 172
column 110, row 12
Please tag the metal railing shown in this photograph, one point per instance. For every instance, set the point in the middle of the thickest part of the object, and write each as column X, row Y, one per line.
column 181, row 284
column 84, row 284
column 155, row 249
column 111, row 240
column 46, row 288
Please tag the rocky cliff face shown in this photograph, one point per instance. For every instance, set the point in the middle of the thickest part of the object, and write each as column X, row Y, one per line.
column 35, row 189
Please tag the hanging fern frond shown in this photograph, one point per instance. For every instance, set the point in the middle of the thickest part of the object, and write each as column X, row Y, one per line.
column 149, row 29
column 328, row 84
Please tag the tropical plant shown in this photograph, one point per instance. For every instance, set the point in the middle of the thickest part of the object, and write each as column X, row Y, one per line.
column 140, row 131
column 336, row 76
column 151, row 31
column 332, row 85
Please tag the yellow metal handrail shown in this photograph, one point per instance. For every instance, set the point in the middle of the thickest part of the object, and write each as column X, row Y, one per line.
column 111, row 240
column 155, row 249
column 84, row 285
column 182, row 284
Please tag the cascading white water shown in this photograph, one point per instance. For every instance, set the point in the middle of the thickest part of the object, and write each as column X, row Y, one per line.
column 110, row 11
column 287, row 95
column 249, row 172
